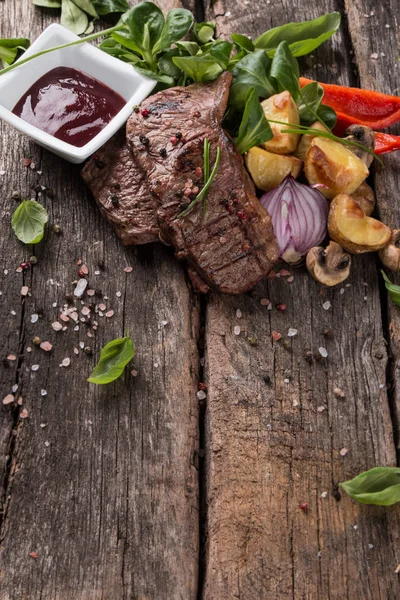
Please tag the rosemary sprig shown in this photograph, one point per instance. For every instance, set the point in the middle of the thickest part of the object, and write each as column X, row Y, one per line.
column 203, row 193
column 206, row 171
column 303, row 130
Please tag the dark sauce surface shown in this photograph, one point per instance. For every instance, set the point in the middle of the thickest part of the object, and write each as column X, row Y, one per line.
column 69, row 104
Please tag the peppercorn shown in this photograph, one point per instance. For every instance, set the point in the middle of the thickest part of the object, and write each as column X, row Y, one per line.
column 115, row 200
column 281, row 307
column 202, row 387
column 242, row 215
column 178, row 135
column 304, row 506
column 252, row 340
column 33, row 260
column 183, row 140
column 25, row 266
column 57, row 228
column 192, row 196
column 144, row 140
column 145, row 113
column 36, row 340
column 81, row 273
column 87, row 350
column 117, row 186
column 174, row 140
column 163, row 153
column 136, row 109
column 16, row 195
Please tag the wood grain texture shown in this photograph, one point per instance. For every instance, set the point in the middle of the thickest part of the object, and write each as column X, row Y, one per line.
column 102, row 481
column 276, row 433
column 374, row 31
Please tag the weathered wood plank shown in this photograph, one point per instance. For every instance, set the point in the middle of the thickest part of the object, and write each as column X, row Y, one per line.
column 374, row 31
column 276, row 433
column 102, row 483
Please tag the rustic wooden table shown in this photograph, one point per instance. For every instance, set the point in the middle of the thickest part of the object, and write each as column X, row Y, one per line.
column 108, row 485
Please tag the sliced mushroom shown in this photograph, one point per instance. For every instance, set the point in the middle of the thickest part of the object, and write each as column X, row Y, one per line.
column 365, row 198
column 330, row 265
column 362, row 135
column 390, row 255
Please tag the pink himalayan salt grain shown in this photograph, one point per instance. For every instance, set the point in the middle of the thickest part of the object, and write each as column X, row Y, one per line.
column 24, row 413
column 64, row 318
column 46, row 346
column 276, row 335
column 56, row 326
column 79, row 262
column 84, row 270
column 85, row 311
column 74, row 316
column 264, row 302
column 19, row 401
column 91, row 292
column 110, row 313
column 128, row 269
column 8, row 399
column 11, row 357
column 24, row 290
column 102, row 307
column 26, row 162
column 76, row 351
column 284, row 273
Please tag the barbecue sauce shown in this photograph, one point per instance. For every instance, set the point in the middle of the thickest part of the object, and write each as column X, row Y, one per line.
column 70, row 105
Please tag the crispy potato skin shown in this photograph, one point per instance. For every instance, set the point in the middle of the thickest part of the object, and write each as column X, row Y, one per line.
column 365, row 198
column 281, row 107
column 350, row 227
column 330, row 163
column 268, row 170
column 305, row 141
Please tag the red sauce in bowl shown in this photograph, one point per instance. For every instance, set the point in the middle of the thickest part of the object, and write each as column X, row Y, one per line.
column 69, row 104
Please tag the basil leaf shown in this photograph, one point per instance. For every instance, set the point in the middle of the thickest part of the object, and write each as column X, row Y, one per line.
column 113, row 359
column 124, row 38
column 285, row 70
column 9, row 48
column 254, row 128
column 188, row 48
column 48, row 3
column 145, row 22
column 327, row 115
column 251, row 71
column 309, row 102
column 392, row 288
column 243, row 42
column 176, row 26
column 221, row 51
column 204, row 32
column 105, row 7
column 166, row 65
column 380, row 486
column 73, row 17
column 303, row 37
column 198, row 68
column 87, row 7
column 28, row 221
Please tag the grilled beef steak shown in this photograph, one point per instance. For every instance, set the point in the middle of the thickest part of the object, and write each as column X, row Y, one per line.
column 120, row 189
column 234, row 246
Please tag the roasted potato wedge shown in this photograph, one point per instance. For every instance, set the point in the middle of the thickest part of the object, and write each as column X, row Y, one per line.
column 365, row 198
column 305, row 141
column 335, row 166
column 268, row 170
column 349, row 226
column 281, row 107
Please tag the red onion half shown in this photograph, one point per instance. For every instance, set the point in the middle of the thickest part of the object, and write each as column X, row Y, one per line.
column 299, row 217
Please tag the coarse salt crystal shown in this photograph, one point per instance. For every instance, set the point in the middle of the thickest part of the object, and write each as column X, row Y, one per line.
column 24, row 290
column 47, row 444
column 8, row 399
column 14, row 387
column 118, row 294
column 34, row 367
column 24, row 413
column 370, row 546
column 5, row 271
column 97, row 272
column 29, row 349
column 286, row 380
column 65, row 362
column 56, row 326
column 85, row 311
column 102, row 307
column 343, row 451
column 374, row 55
column 292, row 332
column 128, row 269
column 201, row 395
column 295, row 403
column 43, row 392
column 320, row 408
column 228, row 14
column 324, row 494
column 355, row 527
column 341, row 291
column 43, row 425
column 46, row 346
column 323, row 352
column 239, row 313
column 13, row 313
column 81, row 345
column 54, row 305
column 326, row 305
column 236, row 330
column 34, row 318
column 109, row 314
column 80, row 288
column 105, row 297
column 76, row 351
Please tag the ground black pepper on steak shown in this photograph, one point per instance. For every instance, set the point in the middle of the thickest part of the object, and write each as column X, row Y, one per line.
column 120, row 189
column 235, row 245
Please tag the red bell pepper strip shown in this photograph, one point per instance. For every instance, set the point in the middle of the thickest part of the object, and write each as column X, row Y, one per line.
column 384, row 142
column 364, row 107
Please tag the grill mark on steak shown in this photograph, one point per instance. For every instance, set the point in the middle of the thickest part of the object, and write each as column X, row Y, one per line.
column 236, row 260
column 120, row 188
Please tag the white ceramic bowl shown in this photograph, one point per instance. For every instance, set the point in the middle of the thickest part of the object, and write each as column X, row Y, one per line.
column 117, row 75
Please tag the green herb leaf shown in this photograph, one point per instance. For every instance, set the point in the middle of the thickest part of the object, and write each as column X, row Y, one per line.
column 380, row 486
column 311, row 98
column 48, row 3
column 303, row 37
column 252, row 71
column 87, row 7
column 254, row 128
column 165, row 79
column 204, row 32
column 113, row 359
column 9, row 48
column 145, row 22
column 105, row 7
column 28, row 221
column 198, row 68
column 243, row 42
column 177, row 24
column 166, row 66
column 188, row 48
column 285, row 70
column 73, row 17
column 221, row 51
column 392, row 288
column 124, row 38
column 202, row 195
column 327, row 115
